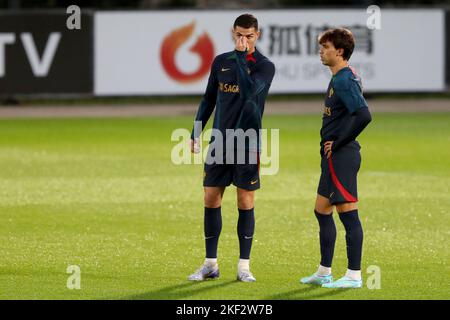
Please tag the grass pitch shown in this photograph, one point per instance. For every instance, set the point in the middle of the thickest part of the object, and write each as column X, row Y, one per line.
column 103, row 194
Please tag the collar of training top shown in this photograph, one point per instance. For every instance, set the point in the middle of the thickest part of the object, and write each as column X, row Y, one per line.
column 250, row 57
column 253, row 56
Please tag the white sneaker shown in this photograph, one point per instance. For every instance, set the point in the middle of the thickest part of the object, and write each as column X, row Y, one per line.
column 205, row 272
column 245, row 276
column 344, row 282
column 317, row 279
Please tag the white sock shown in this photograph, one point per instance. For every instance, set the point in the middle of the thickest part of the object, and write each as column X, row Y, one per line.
column 353, row 274
column 323, row 271
column 210, row 262
column 244, row 264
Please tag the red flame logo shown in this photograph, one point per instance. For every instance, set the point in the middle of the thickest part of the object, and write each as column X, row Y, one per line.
column 203, row 47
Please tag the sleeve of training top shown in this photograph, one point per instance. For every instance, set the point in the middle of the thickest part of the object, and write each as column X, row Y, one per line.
column 256, row 82
column 350, row 92
column 358, row 121
column 207, row 104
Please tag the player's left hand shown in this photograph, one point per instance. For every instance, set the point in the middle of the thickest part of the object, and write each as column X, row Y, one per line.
column 327, row 148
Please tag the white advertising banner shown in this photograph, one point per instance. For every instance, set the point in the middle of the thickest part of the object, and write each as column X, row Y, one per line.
column 170, row 52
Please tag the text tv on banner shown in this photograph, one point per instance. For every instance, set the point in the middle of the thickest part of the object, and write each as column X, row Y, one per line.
column 170, row 52
column 40, row 55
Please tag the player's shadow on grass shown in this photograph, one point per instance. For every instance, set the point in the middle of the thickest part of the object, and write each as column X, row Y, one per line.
column 291, row 294
column 303, row 294
column 327, row 293
column 180, row 291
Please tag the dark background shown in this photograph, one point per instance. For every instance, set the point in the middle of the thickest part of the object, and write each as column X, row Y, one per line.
column 72, row 66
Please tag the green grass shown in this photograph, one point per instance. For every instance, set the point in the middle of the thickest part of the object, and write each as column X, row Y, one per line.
column 103, row 194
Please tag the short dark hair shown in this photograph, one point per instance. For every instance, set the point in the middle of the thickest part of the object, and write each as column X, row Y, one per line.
column 341, row 38
column 246, row 21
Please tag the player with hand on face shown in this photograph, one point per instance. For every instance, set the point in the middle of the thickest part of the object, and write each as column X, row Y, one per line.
column 237, row 88
column 345, row 116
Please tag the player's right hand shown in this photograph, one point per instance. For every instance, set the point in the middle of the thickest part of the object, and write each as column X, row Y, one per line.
column 241, row 44
column 327, row 148
column 195, row 145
